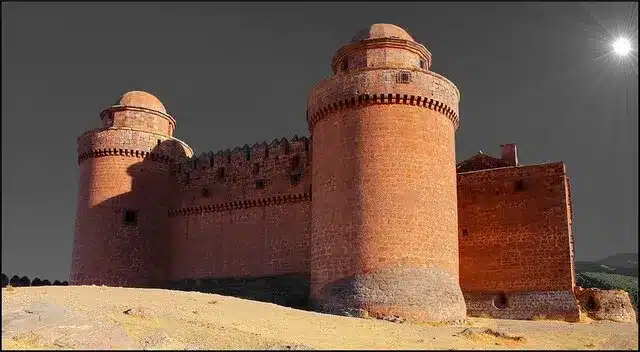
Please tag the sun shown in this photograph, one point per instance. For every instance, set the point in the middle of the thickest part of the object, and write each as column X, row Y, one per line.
column 621, row 46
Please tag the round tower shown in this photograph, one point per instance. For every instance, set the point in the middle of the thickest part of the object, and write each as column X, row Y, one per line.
column 384, row 237
column 125, row 187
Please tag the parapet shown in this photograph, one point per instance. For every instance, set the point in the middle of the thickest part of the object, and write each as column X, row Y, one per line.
column 247, row 159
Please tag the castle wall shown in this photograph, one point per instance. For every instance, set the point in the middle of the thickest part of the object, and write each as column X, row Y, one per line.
column 515, row 239
column 251, row 220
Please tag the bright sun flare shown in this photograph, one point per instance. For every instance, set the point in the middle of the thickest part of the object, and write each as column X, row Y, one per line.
column 621, row 46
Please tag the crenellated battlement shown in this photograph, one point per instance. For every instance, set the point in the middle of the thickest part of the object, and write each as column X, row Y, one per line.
column 246, row 157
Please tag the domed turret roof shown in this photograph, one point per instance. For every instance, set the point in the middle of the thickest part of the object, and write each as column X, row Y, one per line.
column 381, row 30
column 141, row 99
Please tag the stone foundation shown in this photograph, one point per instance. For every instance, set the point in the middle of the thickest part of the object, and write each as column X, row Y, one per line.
column 606, row 304
column 291, row 290
column 413, row 295
column 523, row 305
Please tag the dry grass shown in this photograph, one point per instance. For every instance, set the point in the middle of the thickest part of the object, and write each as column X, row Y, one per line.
column 160, row 319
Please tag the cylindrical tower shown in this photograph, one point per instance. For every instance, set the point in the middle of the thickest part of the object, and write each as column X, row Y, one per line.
column 125, row 185
column 384, row 209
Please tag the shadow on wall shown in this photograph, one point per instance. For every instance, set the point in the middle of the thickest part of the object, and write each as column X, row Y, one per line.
column 24, row 281
column 291, row 290
column 123, row 241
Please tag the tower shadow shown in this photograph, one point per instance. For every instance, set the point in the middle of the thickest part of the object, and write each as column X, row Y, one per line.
column 124, row 240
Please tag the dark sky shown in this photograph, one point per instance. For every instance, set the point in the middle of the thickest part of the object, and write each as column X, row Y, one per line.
column 539, row 75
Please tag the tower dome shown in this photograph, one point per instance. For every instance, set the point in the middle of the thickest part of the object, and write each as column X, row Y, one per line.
column 381, row 30
column 142, row 100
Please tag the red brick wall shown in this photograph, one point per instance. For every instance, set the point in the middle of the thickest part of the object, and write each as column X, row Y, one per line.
column 514, row 241
column 228, row 227
column 251, row 242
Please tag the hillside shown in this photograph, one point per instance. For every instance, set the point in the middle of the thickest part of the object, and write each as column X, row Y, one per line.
column 621, row 264
column 58, row 317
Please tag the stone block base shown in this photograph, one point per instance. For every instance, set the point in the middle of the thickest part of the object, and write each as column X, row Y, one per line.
column 561, row 305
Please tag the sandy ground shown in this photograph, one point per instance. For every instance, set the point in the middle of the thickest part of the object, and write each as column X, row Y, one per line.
column 90, row 317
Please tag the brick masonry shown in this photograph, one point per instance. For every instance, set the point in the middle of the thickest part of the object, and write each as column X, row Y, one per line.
column 366, row 217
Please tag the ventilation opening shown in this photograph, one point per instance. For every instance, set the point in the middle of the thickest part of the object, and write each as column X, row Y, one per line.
column 130, row 217
column 295, row 179
column 590, row 305
column 501, row 302
column 403, row 77
column 520, row 186
column 344, row 65
column 259, row 184
column 159, row 141
column 205, row 193
column 465, row 232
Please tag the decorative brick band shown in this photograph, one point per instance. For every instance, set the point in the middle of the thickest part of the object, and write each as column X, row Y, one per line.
column 370, row 99
column 124, row 152
column 241, row 204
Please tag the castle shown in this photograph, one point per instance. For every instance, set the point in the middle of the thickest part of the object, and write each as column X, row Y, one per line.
column 369, row 216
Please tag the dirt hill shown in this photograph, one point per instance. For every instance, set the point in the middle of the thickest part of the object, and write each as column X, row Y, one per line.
column 102, row 317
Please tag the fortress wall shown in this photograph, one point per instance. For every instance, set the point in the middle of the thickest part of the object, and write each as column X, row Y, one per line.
column 247, row 242
column 259, row 252
column 282, row 167
column 227, row 230
column 516, row 241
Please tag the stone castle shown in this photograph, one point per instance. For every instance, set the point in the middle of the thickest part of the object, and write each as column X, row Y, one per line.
column 369, row 216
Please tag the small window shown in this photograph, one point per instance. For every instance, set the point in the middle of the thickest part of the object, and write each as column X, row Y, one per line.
column 520, row 186
column 259, row 184
column 403, row 77
column 220, row 173
column 130, row 217
column 465, row 232
column 205, row 193
column 423, row 64
column 256, row 168
column 159, row 141
column 294, row 162
column 295, row 179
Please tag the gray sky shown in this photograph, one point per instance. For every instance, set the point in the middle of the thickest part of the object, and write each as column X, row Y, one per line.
column 538, row 75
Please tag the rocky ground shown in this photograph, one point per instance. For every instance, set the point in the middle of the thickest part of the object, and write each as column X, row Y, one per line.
column 99, row 317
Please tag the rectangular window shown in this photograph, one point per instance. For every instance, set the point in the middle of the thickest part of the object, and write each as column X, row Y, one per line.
column 220, row 174
column 260, row 184
column 403, row 77
column 423, row 65
column 130, row 217
column 256, row 168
